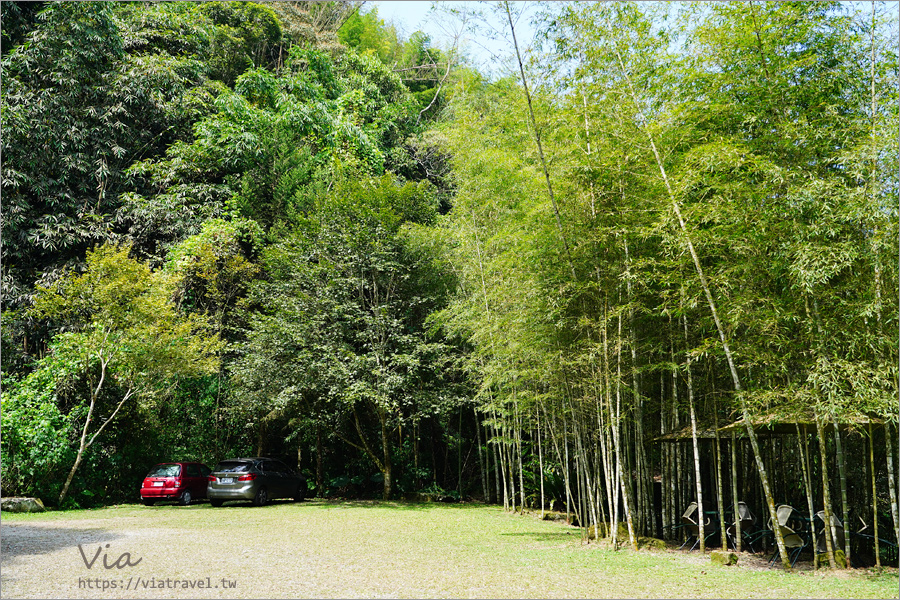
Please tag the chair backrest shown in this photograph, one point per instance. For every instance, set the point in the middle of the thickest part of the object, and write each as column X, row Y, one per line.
column 826, row 530
column 784, row 513
column 747, row 517
column 837, row 522
column 690, row 514
column 689, row 518
column 792, row 539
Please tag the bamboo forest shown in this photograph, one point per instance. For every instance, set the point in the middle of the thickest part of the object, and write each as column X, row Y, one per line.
column 639, row 270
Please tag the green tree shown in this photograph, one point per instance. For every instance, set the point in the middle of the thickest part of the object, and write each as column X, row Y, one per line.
column 273, row 139
column 124, row 337
column 36, row 432
column 92, row 88
column 368, row 34
column 340, row 340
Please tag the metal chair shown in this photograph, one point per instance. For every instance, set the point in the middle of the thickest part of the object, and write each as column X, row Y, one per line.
column 690, row 520
column 792, row 529
column 747, row 520
column 836, row 544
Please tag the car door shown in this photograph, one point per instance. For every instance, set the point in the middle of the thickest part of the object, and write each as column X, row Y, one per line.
column 194, row 480
column 274, row 478
column 203, row 481
column 288, row 480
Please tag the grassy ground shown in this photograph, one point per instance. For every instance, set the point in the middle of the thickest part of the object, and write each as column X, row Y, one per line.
column 367, row 550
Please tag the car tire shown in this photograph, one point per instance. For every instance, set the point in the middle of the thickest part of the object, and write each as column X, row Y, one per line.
column 148, row 501
column 216, row 503
column 185, row 498
column 262, row 496
column 299, row 495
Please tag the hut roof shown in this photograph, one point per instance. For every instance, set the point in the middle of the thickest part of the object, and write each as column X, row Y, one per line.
column 775, row 424
column 705, row 431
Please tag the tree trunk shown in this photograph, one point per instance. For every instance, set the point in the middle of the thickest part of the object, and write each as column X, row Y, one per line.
column 499, row 474
column 892, row 479
column 567, row 470
column 843, row 476
column 540, row 459
column 807, row 483
column 616, row 442
column 482, row 463
column 459, row 456
column 519, row 425
column 642, row 495
column 537, row 138
column 604, row 421
column 381, row 459
column 826, row 496
column 85, row 443
column 494, row 455
column 65, row 490
column 501, row 458
column 874, row 495
column 319, row 483
column 734, row 495
column 720, row 501
column 386, row 460
column 697, row 478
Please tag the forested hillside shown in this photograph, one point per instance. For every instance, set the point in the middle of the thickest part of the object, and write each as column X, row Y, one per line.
column 653, row 262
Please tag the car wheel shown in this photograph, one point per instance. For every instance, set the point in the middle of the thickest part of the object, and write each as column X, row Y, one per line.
column 216, row 503
column 148, row 501
column 299, row 495
column 262, row 496
column 185, row 498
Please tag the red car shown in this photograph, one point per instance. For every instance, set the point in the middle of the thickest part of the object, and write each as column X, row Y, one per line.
column 181, row 481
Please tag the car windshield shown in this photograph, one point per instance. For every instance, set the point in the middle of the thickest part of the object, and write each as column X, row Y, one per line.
column 232, row 467
column 165, row 471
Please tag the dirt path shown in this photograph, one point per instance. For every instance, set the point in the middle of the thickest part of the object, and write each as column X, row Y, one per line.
column 359, row 550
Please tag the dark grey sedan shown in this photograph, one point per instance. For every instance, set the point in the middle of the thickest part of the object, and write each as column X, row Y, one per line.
column 256, row 479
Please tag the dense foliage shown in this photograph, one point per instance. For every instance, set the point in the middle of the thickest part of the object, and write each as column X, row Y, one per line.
column 667, row 219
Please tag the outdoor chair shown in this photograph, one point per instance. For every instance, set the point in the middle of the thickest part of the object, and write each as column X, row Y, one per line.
column 887, row 548
column 836, row 544
column 793, row 531
column 747, row 520
column 691, row 520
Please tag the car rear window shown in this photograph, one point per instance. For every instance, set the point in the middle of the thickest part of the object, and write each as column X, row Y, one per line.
column 165, row 471
column 232, row 467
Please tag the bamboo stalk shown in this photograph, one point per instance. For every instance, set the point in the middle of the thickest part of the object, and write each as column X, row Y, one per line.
column 540, row 459
column 697, row 479
column 720, row 500
column 807, row 483
column 616, row 441
column 826, row 496
column 481, row 461
column 519, row 452
column 642, row 495
column 734, row 494
column 540, row 147
column 892, row 479
column 874, row 495
column 843, row 477
column 612, row 480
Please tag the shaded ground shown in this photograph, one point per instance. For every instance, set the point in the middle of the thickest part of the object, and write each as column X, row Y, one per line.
column 366, row 550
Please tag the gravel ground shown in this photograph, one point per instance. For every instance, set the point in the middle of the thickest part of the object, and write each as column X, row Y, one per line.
column 362, row 550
